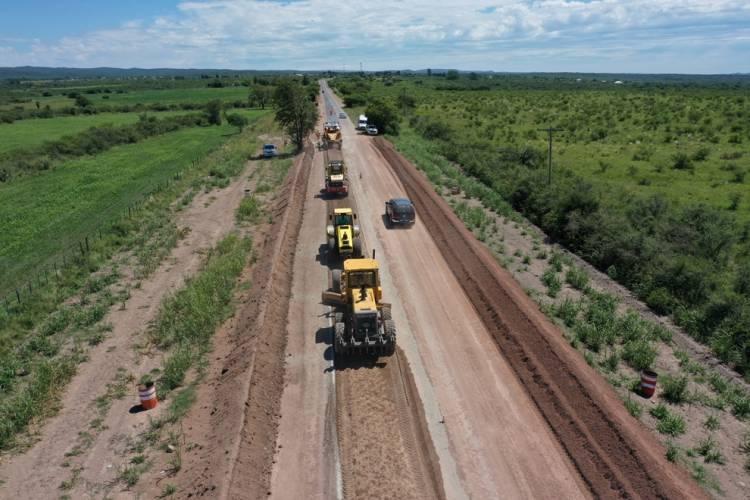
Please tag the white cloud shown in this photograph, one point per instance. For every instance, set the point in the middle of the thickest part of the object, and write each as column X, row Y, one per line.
column 309, row 34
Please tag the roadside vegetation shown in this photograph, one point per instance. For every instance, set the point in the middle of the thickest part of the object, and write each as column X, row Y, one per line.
column 45, row 336
column 648, row 180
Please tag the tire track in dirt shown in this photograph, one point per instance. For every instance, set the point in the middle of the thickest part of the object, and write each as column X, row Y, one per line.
column 235, row 422
column 614, row 455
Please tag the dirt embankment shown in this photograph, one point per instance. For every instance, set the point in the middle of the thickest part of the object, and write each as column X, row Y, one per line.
column 233, row 425
column 613, row 453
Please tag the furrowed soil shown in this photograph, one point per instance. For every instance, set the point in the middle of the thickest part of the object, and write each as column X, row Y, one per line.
column 385, row 449
column 614, row 455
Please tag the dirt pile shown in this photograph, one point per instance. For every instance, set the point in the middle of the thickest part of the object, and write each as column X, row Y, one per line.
column 613, row 453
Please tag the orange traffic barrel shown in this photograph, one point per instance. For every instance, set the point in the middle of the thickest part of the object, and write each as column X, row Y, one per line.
column 147, row 393
column 648, row 383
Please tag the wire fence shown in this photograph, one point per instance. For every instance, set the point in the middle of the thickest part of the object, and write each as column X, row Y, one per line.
column 76, row 254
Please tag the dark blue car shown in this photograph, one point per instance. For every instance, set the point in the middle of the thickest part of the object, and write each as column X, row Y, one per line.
column 399, row 211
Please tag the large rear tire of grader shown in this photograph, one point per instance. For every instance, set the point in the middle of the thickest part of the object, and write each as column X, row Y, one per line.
column 389, row 328
column 386, row 312
column 336, row 280
column 357, row 247
column 339, row 329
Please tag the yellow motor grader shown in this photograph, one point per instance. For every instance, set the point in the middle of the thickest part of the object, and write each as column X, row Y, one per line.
column 363, row 323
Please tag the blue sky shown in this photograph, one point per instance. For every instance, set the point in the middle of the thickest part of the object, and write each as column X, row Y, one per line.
column 680, row 36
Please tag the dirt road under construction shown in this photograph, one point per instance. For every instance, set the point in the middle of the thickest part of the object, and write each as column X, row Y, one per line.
column 483, row 398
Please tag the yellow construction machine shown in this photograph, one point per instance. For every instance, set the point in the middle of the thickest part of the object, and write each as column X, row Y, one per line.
column 332, row 135
column 363, row 323
column 335, row 178
column 343, row 234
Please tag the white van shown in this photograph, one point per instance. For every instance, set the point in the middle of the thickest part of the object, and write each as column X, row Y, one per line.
column 362, row 122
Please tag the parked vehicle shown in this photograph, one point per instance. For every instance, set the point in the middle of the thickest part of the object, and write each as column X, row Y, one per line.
column 342, row 116
column 362, row 122
column 270, row 150
column 399, row 211
column 372, row 130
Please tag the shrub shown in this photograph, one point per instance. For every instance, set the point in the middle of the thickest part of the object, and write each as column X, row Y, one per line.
column 712, row 423
column 633, row 408
column 567, row 311
column 639, row 354
column 213, row 112
column 249, row 209
column 383, row 115
column 701, row 154
column 709, row 450
column 681, row 161
column 577, row 278
column 671, row 424
column 551, row 280
column 675, row 388
column 659, row 412
column 672, row 451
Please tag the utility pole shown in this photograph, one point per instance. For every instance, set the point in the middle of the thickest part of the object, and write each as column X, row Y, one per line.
column 549, row 131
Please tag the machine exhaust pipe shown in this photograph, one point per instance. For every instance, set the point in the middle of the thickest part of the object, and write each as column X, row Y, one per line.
column 373, row 254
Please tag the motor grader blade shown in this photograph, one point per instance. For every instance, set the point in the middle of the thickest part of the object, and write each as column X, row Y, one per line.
column 331, row 298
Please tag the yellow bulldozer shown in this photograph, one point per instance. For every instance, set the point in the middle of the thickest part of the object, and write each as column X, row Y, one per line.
column 363, row 323
column 343, row 234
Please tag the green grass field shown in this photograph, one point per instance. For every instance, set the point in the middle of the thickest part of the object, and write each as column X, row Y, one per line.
column 132, row 97
column 622, row 138
column 33, row 132
column 45, row 214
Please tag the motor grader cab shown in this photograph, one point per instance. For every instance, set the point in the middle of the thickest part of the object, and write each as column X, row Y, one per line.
column 363, row 323
column 332, row 135
column 335, row 178
column 343, row 234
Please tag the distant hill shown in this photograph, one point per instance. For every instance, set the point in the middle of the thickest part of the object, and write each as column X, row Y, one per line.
column 44, row 73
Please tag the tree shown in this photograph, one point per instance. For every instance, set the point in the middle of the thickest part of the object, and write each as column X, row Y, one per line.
column 260, row 95
column 213, row 112
column 406, row 101
column 383, row 116
column 237, row 120
column 295, row 111
column 82, row 101
column 452, row 75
